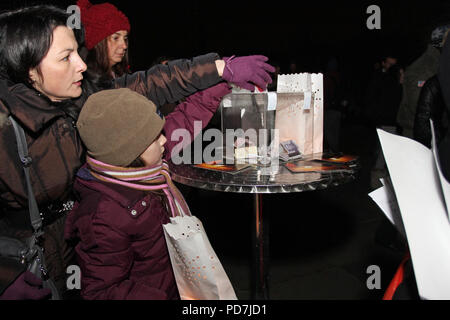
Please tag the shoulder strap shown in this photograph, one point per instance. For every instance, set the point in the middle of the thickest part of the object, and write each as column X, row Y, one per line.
column 22, row 148
column 37, row 266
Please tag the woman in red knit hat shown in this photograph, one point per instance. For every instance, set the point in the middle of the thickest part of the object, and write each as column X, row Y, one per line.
column 106, row 39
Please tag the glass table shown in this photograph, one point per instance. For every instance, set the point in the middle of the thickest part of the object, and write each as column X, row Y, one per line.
column 258, row 181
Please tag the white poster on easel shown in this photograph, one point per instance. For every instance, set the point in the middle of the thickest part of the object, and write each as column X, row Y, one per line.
column 444, row 184
column 419, row 193
column 384, row 197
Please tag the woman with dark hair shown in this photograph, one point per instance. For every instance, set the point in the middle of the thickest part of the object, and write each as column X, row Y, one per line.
column 106, row 39
column 42, row 87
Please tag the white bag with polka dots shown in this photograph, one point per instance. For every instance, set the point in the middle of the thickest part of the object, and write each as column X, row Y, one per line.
column 299, row 111
column 198, row 272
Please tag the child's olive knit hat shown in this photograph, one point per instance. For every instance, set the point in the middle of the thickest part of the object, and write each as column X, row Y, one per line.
column 118, row 125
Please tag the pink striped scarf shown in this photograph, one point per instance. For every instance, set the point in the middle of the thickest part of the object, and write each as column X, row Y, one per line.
column 153, row 178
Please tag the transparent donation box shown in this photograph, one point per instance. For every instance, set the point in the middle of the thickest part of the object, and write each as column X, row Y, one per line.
column 255, row 126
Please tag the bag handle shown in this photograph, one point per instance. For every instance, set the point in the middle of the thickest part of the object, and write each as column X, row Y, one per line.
column 38, row 265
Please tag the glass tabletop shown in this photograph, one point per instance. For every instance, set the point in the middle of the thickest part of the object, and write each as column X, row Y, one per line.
column 258, row 179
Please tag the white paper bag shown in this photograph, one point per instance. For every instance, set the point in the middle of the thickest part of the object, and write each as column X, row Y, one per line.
column 300, row 118
column 198, row 271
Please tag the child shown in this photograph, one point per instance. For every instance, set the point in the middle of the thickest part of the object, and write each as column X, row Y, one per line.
column 126, row 194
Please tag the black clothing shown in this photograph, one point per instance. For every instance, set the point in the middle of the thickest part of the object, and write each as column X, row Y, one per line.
column 383, row 98
column 444, row 81
column 430, row 106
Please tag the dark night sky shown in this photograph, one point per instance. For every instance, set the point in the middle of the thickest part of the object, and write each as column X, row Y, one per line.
column 308, row 31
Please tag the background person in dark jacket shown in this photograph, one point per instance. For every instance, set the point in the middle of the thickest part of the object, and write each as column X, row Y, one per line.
column 416, row 73
column 42, row 87
column 384, row 94
column 383, row 98
column 430, row 106
column 444, row 81
column 431, row 102
column 122, row 251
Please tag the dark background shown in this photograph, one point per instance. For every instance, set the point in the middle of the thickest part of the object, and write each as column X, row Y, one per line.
column 308, row 31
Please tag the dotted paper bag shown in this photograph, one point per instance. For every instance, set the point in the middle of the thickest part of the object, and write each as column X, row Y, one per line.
column 197, row 269
column 299, row 113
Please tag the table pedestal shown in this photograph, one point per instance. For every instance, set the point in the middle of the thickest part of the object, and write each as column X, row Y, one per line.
column 260, row 278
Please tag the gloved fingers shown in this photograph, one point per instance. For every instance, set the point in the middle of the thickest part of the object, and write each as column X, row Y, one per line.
column 246, row 85
column 267, row 67
column 32, row 279
column 26, row 287
column 259, row 57
column 35, row 293
column 45, row 293
column 259, row 81
column 261, row 62
column 265, row 76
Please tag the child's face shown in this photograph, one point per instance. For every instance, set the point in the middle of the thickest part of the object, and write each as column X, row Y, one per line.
column 153, row 154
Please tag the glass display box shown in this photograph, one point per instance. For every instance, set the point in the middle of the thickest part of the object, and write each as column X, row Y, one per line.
column 252, row 133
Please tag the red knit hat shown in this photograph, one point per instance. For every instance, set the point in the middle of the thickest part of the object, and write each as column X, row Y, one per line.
column 100, row 21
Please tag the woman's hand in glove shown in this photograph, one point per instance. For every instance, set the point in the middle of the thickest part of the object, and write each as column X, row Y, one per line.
column 248, row 71
column 26, row 287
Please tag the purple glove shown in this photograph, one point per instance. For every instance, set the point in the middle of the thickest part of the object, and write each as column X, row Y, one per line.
column 245, row 72
column 26, row 287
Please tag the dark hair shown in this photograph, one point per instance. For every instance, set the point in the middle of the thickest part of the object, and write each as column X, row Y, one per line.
column 99, row 70
column 25, row 38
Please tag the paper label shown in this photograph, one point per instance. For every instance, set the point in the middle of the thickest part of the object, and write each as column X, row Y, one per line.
column 226, row 103
column 271, row 101
column 307, row 101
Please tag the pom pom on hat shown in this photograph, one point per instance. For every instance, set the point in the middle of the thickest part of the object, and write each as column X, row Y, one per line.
column 100, row 21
